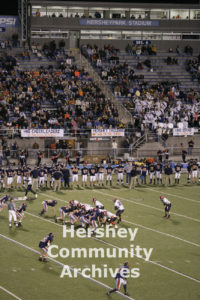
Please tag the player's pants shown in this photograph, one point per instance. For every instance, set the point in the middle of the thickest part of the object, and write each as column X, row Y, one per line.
column 120, row 281
column 158, row 175
column 19, row 179
column 177, row 175
column 73, row 218
column 120, row 176
column 84, row 221
column 92, row 178
column 12, row 215
column 29, row 188
column 9, row 180
column 94, row 225
column 194, row 173
column 75, row 177
column 19, row 215
column 41, row 180
column 152, row 175
column 101, row 176
column 84, row 178
column 62, row 214
column 109, row 177
column 45, row 206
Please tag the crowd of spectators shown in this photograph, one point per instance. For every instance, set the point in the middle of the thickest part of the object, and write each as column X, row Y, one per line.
column 193, row 67
column 77, row 103
column 150, row 104
column 139, row 50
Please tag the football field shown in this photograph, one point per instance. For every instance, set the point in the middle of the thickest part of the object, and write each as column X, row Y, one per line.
column 167, row 265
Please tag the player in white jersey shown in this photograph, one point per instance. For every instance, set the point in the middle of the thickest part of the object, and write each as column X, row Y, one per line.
column 167, row 205
column 97, row 203
column 120, row 209
column 111, row 218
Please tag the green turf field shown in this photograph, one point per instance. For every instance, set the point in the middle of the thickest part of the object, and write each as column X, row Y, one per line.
column 171, row 273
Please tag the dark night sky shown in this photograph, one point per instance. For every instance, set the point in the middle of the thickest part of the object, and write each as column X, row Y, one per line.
column 11, row 7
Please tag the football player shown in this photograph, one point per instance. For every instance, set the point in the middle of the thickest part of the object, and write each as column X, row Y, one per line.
column 20, row 213
column 167, row 205
column 51, row 203
column 44, row 244
column 120, row 209
column 121, row 279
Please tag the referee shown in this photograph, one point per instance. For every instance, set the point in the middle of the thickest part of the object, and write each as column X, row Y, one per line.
column 12, row 213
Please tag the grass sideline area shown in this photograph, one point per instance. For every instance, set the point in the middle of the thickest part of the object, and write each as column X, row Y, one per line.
column 171, row 273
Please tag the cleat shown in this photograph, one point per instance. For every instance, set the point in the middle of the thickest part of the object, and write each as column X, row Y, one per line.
column 40, row 259
column 127, row 294
column 36, row 195
column 108, row 293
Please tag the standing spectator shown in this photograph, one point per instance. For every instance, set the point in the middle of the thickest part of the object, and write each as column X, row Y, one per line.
column 40, row 155
column 78, row 156
column 190, row 147
column 114, row 148
column 55, row 157
column 14, row 150
column 166, row 153
column 12, row 213
column 159, row 154
column 22, row 159
column 184, row 153
column 7, row 155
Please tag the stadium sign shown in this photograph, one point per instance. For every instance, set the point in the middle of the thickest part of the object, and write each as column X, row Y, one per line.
column 102, row 22
column 183, row 131
column 42, row 132
column 7, row 21
column 142, row 42
column 107, row 132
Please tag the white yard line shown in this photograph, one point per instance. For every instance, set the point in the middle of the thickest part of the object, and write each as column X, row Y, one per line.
column 177, row 196
column 163, row 233
column 153, row 262
column 62, row 265
column 153, row 230
column 149, row 206
column 8, row 292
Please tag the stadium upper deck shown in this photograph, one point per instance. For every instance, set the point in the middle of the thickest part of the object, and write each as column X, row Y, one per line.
column 76, row 22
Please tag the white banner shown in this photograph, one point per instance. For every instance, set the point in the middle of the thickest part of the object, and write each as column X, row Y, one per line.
column 42, row 132
column 107, row 132
column 183, row 131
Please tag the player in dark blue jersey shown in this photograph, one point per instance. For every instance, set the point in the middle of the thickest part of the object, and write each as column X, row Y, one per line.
column 2, row 178
column 121, row 279
column 84, row 173
column 20, row 213
column 3, row 201
column 63, row 211
column 109, row 171
column 46, row 203
column 44, row 244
